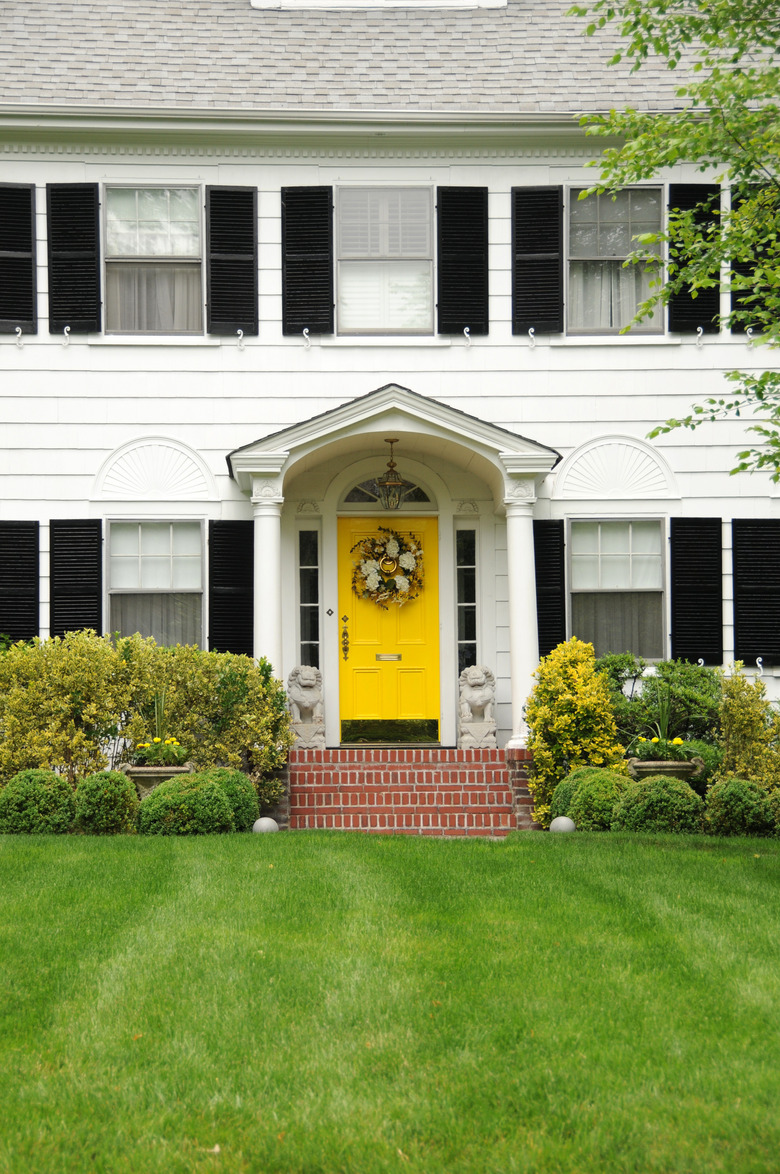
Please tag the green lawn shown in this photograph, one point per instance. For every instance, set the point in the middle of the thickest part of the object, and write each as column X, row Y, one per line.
column 321, row 1002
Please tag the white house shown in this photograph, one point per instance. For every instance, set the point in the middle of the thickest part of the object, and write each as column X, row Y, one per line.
column 245, row 244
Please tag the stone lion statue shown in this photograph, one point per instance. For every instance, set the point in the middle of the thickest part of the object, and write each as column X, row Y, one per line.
column 477, row 694
column 304, row 691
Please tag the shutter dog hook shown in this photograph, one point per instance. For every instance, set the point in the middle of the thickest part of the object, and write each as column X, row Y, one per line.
column 66, row 336
column 18, row 333
column 467, row 335
column 749, row 336
column 306, row 339
column 531, row 335
column 699, row 336
column 760, row 665
column 240, row 334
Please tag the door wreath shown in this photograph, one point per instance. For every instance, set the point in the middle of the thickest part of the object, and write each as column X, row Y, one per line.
column 389, row 569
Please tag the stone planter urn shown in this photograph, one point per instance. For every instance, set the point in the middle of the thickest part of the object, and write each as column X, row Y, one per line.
column 640, row 768
column 146, row 778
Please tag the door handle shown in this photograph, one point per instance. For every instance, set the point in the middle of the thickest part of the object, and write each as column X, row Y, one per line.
column 345, row 638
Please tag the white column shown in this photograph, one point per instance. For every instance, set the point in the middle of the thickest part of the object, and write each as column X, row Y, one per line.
column 268, row 578
column 523, row 633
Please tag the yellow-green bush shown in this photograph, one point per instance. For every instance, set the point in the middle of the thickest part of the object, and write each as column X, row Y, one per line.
column 78, row 704
column 570, row 717
column 749, row 732
column 61, row 704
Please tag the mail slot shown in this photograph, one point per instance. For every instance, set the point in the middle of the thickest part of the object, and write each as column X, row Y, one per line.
column 388, row 655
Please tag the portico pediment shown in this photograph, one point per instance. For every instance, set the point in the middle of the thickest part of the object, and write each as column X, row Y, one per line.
column 428, row 430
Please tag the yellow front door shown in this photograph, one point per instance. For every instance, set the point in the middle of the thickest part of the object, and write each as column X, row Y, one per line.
column 389, row 658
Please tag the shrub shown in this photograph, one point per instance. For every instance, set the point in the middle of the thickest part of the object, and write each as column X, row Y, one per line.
column 106, row 804
column 711, row 756
column 739, row 807
column 60, row 705
column 186, row 806
column 658, row 803
column 226, row 709
column 677, row 700
column 36, row 802
column 750, row 731
column 240, row 793
column 570, row 719
column 596, row 794
column 562, row 797
column 774, row 807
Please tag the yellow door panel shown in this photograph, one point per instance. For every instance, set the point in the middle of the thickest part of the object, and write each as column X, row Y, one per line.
column 389, row 659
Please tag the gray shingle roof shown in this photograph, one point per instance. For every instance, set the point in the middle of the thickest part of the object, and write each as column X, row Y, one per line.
column 527, row 58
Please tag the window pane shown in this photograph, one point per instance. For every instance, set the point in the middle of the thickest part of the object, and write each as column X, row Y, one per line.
column 123, row 572
column 584, row 572
column 170, row 619
column 124, row 538
column 155, row 538
column 308, row 548
column 646, row 571
column 152, row 222
column 467, row 623
column 584, row 537
column 467, row 655
column 615, row 572
column 310, row 655
column 466, row 547
column 187, row 572
column 646, row 537
column 603, row 296
column 186, row 538
column 621, row 622
column 467, row 585
column 310, row 624
column 384, row 222
column 155, row 572
column 154, row 298
column 615, row 537
column 385, row 296
column 309, row 579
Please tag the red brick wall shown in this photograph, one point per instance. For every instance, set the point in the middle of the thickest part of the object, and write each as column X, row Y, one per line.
column 424, row 792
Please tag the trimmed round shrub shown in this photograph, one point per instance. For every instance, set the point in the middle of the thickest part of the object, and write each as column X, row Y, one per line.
column 106, row 804
column 36, row 802
column 240, row 793
column 711, row 756
column 658, row 803
column 596, row 793
column 739, row 807
column 186, row 806
column 562, row 797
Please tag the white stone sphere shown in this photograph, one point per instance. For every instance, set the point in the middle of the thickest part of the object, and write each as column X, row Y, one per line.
column 562, row 823
column 265, row 824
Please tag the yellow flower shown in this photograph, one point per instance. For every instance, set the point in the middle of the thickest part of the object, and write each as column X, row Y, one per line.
column 677, row 741
column 653, row 739
column 643, row 739
column 157, row 739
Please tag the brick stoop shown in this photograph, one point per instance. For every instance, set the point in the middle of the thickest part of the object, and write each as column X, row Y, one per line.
column 425, row 791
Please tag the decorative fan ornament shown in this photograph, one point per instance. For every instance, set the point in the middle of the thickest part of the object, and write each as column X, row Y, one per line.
column 389, row 568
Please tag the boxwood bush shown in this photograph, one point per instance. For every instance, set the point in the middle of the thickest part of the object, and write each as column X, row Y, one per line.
column 106, row 804
column 186, row 806
column 596, row 794
column 739, row 807
column 36, row 802
column 239, row 791
column 659, row 803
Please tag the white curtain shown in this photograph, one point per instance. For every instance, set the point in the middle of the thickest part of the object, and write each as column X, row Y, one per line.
column 154, row 298
column 603, row 296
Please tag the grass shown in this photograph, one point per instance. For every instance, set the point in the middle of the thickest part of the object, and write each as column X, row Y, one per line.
column 320, row 1002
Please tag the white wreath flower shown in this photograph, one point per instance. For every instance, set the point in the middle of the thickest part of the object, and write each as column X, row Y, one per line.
column 390, row 569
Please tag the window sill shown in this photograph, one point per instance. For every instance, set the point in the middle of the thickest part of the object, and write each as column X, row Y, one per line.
column 383, row 340
column 167, row 340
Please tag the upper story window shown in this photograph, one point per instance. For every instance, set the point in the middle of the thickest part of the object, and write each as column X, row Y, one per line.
column 385, row 261
column 568, row 259
column 604, row 293
column 153, row 261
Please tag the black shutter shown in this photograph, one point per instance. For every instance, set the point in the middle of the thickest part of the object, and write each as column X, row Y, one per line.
column 697, row 589
column 76, row 570
column 746, row 269
column 74, row 257
column 17, row 259
column 462, row 228
column 686, row 312
column 756, row 563
column 231, row 248
column 19, row 580
column 549, row 562
column 307, row 260
column 231, row 587
column 537, row 260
